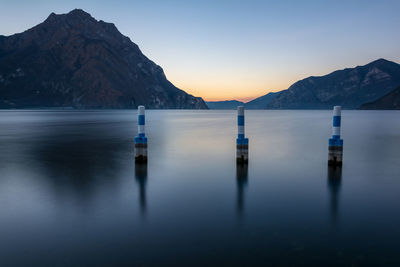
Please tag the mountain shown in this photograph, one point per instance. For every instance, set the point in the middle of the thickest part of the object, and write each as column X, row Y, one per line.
column 261, row 102
column 349, row 87
column 388, row 101
column 73, row 60
column 258, row 103
column 227, row 104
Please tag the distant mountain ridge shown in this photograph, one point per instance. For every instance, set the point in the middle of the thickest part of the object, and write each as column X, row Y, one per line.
column 258, row 103
column 349, row 88
column 262, row 101
column 73, row 60
column 389, row 101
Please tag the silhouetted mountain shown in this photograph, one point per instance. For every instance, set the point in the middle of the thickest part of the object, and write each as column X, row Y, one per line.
column 388, row 101
column 227, row 104
column 73, row 60
column 349, row 88
column 262, row 101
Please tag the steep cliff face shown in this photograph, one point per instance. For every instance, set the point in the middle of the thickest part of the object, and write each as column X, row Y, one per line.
column 349, row 87
column 73, row 60
column 388, row 101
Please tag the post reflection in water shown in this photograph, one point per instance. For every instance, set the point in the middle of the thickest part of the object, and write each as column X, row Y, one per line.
column 334, row 183
column 241, row 179
column 141, row 179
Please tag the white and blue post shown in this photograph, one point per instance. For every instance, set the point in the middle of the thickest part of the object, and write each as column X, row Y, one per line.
column 141, row 139
column 242, row 143
column 335, row 155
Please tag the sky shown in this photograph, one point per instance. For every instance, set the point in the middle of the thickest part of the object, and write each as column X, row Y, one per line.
column 223, row 50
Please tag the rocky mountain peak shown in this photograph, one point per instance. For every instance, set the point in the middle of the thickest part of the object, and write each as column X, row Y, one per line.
column 80, row 22
column 77, row 61
column 79, row 13
column 379, row 61
column 73, row 15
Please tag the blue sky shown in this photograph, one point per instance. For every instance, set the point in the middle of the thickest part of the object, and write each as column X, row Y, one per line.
column 238, row 49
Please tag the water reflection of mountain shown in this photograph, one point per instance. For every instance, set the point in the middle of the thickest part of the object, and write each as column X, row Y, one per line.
column 78, row 159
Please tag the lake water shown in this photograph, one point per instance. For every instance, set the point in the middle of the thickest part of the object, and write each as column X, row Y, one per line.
column 70, row 193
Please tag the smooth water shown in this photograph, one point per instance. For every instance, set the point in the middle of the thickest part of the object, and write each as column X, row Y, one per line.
column 70, row 193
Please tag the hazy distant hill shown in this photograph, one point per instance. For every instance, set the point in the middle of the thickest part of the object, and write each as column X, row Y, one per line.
column 227, row 104
column 349, row 87
column 258, row 103
column 73, row 60
column 388, row 101
column 262, row 101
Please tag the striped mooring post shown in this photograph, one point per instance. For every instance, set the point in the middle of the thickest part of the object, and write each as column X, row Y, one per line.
column 141, row 139
column 242, row 143
column 335, row 155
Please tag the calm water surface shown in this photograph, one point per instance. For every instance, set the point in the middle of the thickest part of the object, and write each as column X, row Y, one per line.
column 70, row 193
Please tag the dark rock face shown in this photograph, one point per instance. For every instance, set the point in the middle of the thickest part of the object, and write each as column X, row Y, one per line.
column 388, row 101
column 73, row 60
column 227, row 104
column 349, row 88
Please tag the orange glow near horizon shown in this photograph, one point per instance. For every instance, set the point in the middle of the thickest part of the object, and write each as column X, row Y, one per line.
column 242, row 89
column 220, row 84
column 220, row 93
